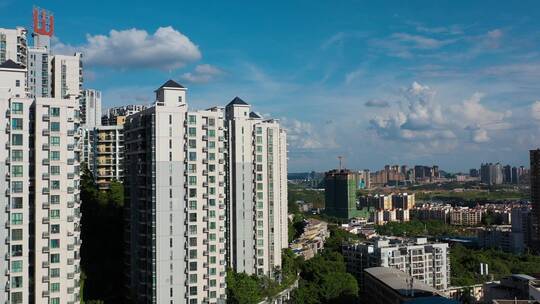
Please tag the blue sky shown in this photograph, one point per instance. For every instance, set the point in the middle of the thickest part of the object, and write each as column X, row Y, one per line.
column 452, row 83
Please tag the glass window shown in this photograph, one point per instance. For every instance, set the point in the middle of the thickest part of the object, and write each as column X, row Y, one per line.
column 55, row 126
column 193, row 253
column 55, row 229
column 55, row 170
column 192, row 132
column 211, row 144
column 16, row 266
column 55, row 184
column 17, row 203
column 16, row 139
column 192, row 119
column 55, row 155
column 212, row 225
column 211, row 156
column 17, row 186
column 192, row 168
column 192, row 266
column 16, row 123
column 193, row 217
column 212, row 202
column 17, row 170
column 55, row 243
column 54, row 112
column 16, row 234
column 55, row 287
column 54, row 199
column 17, row 107
column 55, row 258
column 55, row 214
column 192, row 205
column 16, row 298
column 192, row 143
column 16, row 155
column 16, row 250
column 192, row 180
column 211, row 133
column 54, row 301
column 192, row 156
column 55, row 272
column 17, row 282
column 55, row 140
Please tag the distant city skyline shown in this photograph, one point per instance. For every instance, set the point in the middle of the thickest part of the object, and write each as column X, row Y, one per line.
column 448, row 82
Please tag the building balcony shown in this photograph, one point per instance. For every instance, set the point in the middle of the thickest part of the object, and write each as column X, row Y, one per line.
column 45, row 279
column 45, row 176
column 46, row 117
column 45, row 235
column 46, row 132
column 45, row 146
column 45, row 249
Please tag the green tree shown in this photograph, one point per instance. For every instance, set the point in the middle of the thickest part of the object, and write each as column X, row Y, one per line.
column 242, row 288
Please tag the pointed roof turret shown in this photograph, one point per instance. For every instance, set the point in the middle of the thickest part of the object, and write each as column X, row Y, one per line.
column 238, row 101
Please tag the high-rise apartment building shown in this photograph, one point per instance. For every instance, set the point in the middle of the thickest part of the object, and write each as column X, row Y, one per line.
column 41, row 165
column 535, row 197
column 340, row 194
column 424, row 261
column 90, row 108
column 104, row 154
column 175, row 201
column 13, row 45
column 257, row 196
column 117, row 115
column 492, row 174
column 40, row 228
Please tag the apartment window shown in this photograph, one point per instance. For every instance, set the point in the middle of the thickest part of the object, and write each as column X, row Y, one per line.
column 212, row 237
column 16, row 250
column 55, row 170
column 17, row 203
column 55, row 258
column 192, row 266
column 192, row 119
column 55, row 214
column 55, row 126
column 17, row 83
column 211, row 144
column 55, row 243
column 212, row 271
column 212, row 168
column 193, row 241
column 193, row 253
column 212, row 225
column 192, row 143
column 55, row 272
column 259, row 130
column 55, row 155
column 55, row 229
column 192, row 180
column 212, row 248
column 54, row 301
column 192, row 132
column 55, row 287
column 259, row 149
column 193, row 290
column 213, row 283
column 259, row 158
column 16, row 108
column 192, row 156
column 55, row 140
column 192, row 229
column 212, row 190
column 55, row 199
column 16, row 139
column 54, row 112
column 192, row 205
column 213, row 294
column 17, row 123
column 17, row 282
column 212, row 214
column 211, row 156
column 16, row 266
column 192, row 192
column 259, row 139
column 17, row 187
column 211, row 179
column 16, row 155
column 55, row 185
column 212, row 202
column 192, row 168
column 192, row 278
column 259, row 177
column 211, row 133
column 193, row 217
column 17, row 170
column 16, row 234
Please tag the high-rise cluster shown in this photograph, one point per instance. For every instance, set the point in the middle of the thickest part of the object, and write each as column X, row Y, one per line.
column 39, row 161
column 205, row 189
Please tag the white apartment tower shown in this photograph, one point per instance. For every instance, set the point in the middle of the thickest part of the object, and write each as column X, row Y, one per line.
column 13, row 45
column 90, row 108
column 175, row 181
column 39, row 162
column 257, row 193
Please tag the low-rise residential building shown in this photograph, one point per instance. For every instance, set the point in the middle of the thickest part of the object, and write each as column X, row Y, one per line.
column 312, row 239
column 424, row 261
column 465, row 216
column 388, row 285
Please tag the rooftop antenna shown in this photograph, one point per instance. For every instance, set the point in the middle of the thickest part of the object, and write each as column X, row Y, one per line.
column 340, row 162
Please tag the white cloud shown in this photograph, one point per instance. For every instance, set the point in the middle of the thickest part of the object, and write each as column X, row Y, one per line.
column 420, row 42
column 404, row 45
column 352, row 76
column 535, row 110
column 167, row 48
column 202, row 74
column 302, row 135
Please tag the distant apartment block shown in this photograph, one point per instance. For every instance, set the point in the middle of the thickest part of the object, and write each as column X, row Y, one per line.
column 117, row 115
column 312, row 239
column 465, row 217
column 424, row 261
column 340, row 194
column 90, row 108
column 104, row 154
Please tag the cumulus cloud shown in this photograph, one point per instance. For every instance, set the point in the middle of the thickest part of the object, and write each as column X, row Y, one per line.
column 535, row 110
column 377, row 103
column 302, row 135
column 426, row 119
column 202, row 74
column 167, row 48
